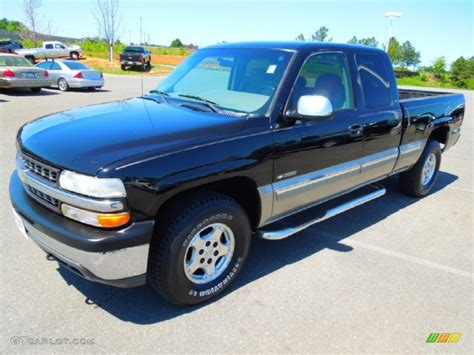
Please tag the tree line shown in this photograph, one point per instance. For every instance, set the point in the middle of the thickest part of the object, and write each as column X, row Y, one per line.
column 406, row 60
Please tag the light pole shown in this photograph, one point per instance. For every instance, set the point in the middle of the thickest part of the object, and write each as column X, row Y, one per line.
column 391, row 16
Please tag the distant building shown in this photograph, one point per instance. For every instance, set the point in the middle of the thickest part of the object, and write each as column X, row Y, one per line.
column 192, row 47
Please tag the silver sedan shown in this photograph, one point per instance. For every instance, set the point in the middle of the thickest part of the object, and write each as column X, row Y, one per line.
column 18, row 72
column 72, row 74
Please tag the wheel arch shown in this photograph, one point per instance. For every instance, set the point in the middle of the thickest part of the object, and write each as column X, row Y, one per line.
column 243, row 189
column 440, row 134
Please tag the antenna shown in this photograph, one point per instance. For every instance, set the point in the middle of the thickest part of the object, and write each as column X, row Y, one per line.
column 141, row 75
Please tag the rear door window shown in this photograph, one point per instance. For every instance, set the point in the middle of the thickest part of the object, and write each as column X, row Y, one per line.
column 375, row 80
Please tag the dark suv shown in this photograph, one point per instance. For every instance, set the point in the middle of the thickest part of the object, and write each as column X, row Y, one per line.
column 135, row 56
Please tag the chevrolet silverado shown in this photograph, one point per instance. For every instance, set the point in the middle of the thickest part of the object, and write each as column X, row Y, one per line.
column 241, row 141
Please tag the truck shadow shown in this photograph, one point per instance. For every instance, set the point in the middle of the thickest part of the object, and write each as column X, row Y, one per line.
column 142, row 306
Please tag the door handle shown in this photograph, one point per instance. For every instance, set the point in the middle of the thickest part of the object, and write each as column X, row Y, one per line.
column 356, row 130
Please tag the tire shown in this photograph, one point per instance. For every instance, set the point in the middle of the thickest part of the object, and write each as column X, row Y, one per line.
column 123, row 67
column 63, row 85
column 420, row 179
column 185, row 233
column 74, row 55
column 143, row 66
column 35, row 90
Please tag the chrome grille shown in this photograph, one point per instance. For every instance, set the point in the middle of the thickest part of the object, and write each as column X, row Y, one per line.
column 40, row 169
column 44, row 199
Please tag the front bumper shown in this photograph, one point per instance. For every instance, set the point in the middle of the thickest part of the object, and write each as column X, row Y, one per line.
column 114, row 257
column 24, row 83
column 85, row 83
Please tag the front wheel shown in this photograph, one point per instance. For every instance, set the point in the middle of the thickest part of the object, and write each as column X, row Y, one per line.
column 200, row 248
column 420, row 179
column 74, row 55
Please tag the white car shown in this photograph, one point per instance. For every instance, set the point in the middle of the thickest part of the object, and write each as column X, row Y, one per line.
column 51, row 49
column 72, row 74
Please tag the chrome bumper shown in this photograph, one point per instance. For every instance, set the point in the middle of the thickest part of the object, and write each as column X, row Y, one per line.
column 85, row 83
column 24, row 83
column 105, row 267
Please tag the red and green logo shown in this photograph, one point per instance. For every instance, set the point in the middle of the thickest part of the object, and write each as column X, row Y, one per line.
column 444, row 337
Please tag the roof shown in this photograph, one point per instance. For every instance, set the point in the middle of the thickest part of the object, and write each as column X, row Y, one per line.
column 294, row 45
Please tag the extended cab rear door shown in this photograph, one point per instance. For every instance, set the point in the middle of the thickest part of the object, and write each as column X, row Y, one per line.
column 380, row 114
column 316, row 159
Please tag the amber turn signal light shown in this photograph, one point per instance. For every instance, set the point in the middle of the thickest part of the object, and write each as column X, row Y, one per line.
column 113, row 220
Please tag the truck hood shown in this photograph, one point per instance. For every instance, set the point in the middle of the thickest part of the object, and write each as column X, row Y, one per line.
column 90, row 138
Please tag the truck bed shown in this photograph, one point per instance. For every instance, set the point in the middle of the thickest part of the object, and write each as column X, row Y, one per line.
column 407, row 94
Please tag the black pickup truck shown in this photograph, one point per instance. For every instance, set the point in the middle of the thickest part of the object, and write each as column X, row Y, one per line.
column 240, row 141
column 135, row 56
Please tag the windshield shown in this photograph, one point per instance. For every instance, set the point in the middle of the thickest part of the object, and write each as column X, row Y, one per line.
column 76, row 65
column 237, row 79
column 14, row 61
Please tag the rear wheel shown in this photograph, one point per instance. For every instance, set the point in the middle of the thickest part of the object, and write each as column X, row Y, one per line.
column 420, row 179
column 199, row 248
column 74, row 55
column 63, row 85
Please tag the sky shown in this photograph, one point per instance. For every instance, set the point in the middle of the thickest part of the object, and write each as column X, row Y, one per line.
column 435, row 27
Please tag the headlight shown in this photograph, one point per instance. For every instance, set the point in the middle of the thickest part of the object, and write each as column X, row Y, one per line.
column 91, row 186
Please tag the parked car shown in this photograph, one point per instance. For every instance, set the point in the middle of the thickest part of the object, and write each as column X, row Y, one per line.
column 51, row 49
column 9, row 46
column 240, row 141
column 135, row 56
column 18, row 72
column 72, row 74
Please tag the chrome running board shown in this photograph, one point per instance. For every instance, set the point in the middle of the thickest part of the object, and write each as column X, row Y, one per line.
column 278, row 231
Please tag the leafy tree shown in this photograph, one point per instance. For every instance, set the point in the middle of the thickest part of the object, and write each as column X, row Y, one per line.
column 462, row 70
column 369, row 41
column 395, row 51
column 439, row 66
column 300, row 37
column 177, row 43
column 321, row 35
column 13, row 26
column 439, row 69
column 410, row 57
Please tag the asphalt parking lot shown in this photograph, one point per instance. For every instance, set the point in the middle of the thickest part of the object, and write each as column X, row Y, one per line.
column 379, row 278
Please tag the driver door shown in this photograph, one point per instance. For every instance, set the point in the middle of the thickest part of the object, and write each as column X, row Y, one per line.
column 317, row 159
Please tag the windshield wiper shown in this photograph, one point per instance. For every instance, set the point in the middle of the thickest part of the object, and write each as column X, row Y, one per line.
column 159, row 92
column 211, row 104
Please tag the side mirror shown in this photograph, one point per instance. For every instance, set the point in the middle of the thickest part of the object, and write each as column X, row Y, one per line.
column 312, row 107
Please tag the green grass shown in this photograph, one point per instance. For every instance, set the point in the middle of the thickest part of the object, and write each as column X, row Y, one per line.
column 105, row 67
column 416, row 81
